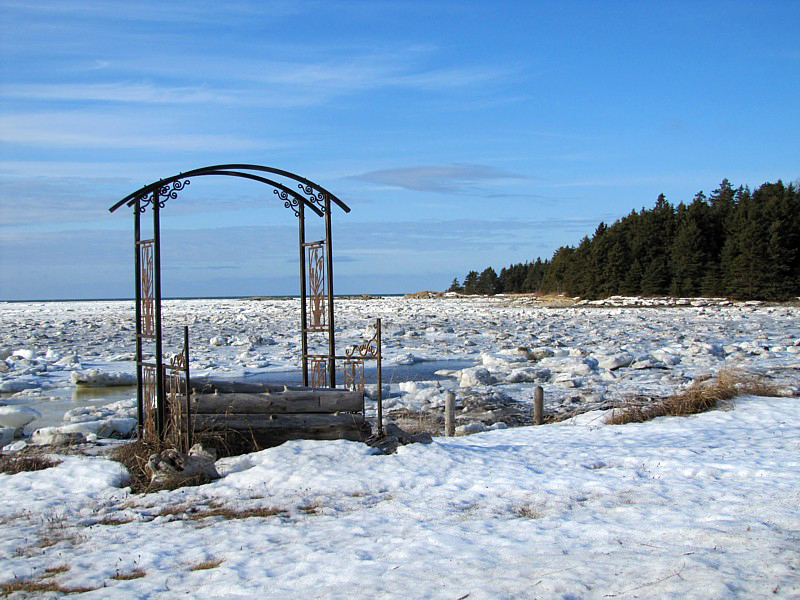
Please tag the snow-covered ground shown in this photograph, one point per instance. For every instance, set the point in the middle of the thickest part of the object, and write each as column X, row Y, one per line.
column 703, row 507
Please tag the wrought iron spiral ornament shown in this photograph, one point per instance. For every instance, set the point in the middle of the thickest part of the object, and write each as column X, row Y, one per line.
column 170, row 191
column 143, row 202
column 368, row 349
column 288, row 201
column 317, row 198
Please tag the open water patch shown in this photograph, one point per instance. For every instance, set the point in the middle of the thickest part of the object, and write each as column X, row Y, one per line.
column 420, row 371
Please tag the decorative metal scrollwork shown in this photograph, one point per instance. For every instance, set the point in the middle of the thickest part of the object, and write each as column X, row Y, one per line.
column 314, row 197
column 166, row 192
column 143, row 201
column 170, row 191
column 354, row 374
column 319, row 371
column 288, row 201
column 149, row 401
column 368, row 349
column 177, row 402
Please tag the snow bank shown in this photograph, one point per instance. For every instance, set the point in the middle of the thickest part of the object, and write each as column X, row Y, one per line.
column 674, row 508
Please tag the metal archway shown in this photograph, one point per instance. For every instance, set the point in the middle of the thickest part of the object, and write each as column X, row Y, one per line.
column 316, row 281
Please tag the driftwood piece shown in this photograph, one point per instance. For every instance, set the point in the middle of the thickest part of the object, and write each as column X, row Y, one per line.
column 172, row 464
column 290, row 401
column 393, row 437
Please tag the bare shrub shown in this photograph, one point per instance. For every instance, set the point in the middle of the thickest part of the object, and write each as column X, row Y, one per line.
column 701, row 396
column 134, row 457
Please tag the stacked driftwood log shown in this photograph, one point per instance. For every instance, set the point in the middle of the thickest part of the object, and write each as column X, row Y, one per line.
column 267, row 415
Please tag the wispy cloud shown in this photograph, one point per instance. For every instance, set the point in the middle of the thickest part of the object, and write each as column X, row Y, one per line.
column 96, row 130
column 122, row 91
column 446, row 179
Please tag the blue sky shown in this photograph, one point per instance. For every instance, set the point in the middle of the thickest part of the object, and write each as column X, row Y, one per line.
column 462, row 134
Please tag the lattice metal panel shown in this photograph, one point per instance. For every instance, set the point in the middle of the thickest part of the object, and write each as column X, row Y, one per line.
column 148, row 310
column 317, row 300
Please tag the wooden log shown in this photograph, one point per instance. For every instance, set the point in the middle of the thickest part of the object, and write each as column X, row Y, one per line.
column 306, row 401
column 202, row 385
column 271, row 430
column 290, row 421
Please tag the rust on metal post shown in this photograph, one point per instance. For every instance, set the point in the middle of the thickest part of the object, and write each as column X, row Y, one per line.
column 329, row 249
column 301, row 218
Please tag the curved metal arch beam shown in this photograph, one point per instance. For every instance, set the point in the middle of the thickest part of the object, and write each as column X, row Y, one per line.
column 289, row 191
column 233, row 170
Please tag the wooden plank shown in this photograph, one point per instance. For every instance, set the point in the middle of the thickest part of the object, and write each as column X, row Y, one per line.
column 290, row 421
column 307, row 401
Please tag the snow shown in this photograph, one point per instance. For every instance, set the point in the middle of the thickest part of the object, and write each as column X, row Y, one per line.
column 679, row 507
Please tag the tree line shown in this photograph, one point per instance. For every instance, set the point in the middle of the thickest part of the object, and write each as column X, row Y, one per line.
column 733, row 243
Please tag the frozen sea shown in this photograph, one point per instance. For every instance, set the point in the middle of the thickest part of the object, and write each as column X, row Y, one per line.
column 585, row 357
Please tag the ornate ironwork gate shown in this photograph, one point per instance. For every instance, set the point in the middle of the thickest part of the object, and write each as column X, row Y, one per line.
column 163, row 390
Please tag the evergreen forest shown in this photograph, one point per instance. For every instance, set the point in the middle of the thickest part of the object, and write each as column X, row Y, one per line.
column 734, row 243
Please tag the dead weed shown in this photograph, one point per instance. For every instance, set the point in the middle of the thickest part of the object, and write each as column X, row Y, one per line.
column 701, row 396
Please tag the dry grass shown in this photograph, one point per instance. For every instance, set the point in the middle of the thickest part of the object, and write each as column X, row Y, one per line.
column 134, row 574
column 311, row 508
column 185, row 513
column 701, row 396
column 527, row 511
column 42, row 584
column 111, row 521
column 29, row 459
column 414, row 422
column 206, row 564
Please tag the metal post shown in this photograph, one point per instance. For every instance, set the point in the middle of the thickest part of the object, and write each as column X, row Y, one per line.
column 331, row 340
column 303, row 314
column 188, row 389
column 380, row 378
column 538, row 404
column 160, row 389
column 137, row 234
